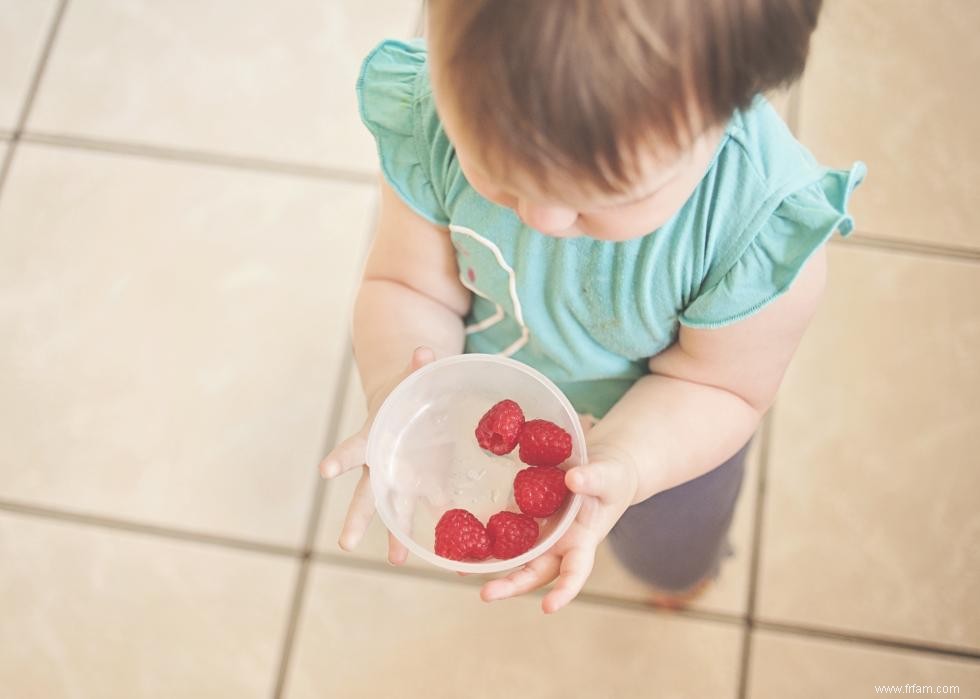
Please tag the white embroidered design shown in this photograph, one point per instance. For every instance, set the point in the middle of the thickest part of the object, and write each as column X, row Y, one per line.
column 498, row 315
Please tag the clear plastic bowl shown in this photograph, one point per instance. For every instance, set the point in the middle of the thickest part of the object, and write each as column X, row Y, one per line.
column 425, row 460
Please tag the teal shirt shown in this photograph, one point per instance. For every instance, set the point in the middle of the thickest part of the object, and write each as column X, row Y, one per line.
column 589, row 313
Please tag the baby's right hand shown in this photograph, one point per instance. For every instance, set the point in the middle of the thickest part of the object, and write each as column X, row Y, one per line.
column 350, row 453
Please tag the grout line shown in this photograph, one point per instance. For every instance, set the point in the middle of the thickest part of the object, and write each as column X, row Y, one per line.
column 319, row 494
column 765, row 437
column 337, row 412
column 153, row 530
column 346, row 561
column 877, row 242
column 861, row 239
column 32, row 89
column 349, row 562
column 599, row 599
column 340, row 399
column 292, row 620
column 869, row 639
column 42, row 63
column 794, row 110
column 299, row 590
column 186, row 155
column 7, row 160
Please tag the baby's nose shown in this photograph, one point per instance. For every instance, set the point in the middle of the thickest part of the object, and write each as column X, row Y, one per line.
column 550, row 220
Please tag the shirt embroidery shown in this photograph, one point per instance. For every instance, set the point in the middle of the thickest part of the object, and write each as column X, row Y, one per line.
column 468, row 279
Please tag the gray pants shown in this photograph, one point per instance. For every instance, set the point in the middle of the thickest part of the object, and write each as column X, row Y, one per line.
column 678, row 537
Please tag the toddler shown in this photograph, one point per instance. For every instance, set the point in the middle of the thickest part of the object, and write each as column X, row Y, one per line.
column 596, row 188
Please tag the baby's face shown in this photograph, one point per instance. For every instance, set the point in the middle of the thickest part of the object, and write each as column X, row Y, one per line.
column 661, row 190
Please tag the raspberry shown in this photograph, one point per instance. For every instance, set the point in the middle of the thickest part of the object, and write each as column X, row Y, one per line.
column 540, row 490
column 460, row 536
column 544, row 443
column 511, row 534
column 500, row 428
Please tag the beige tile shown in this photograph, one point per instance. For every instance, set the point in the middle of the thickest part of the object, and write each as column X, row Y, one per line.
column 172, row 337
column 887, row 83
column 729, row 592
column 23, row 28
column 813, row 668
column 246, row 77
column 89, row 612
column 368, row 634
column 871, row 521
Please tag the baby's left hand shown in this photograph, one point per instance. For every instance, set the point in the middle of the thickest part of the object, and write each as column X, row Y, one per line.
column 608, row 484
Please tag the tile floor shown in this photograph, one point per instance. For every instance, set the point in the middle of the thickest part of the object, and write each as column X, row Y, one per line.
column 185, row 195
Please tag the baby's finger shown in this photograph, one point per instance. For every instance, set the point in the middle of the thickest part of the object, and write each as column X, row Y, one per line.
column 535, row 574
column 420, row 357
column 347, row 455
column 404, row 508
column 359, row 514
column 397, row 552
column 575, row 569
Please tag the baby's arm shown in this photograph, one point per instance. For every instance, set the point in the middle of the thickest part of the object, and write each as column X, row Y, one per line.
column 708, row 392
column 410, row 297
column 703, row 400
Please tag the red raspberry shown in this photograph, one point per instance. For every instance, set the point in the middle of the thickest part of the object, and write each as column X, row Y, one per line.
column 540, row 490
column 500, row 428
column 544, row 443
column 511, row 534
column 460, row 536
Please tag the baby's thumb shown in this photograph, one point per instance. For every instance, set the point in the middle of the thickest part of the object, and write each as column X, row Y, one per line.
column 420, row 357
column 596, row 479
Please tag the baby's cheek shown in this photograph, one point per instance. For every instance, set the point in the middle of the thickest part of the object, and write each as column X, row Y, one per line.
column 502, row 199
column 489, row 192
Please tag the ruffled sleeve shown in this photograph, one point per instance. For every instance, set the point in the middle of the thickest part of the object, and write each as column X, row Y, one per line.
column 391, row 86
column 767, row 266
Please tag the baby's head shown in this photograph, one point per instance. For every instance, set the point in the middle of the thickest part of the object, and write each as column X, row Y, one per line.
column 600, row 117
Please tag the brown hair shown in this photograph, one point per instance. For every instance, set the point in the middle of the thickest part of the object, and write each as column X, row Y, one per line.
column 578, row 86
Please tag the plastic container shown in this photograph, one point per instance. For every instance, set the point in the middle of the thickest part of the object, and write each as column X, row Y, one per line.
column 425, row 460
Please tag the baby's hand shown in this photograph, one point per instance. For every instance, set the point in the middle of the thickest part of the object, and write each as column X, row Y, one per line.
column 608, row 485
column 350, row 453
